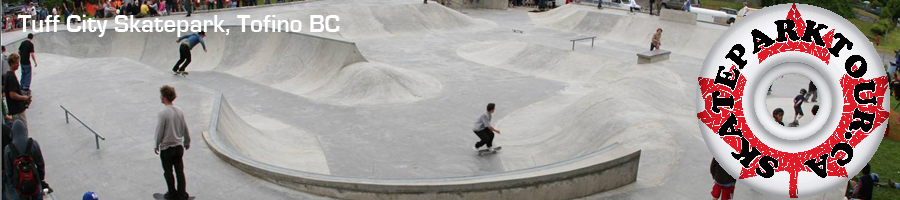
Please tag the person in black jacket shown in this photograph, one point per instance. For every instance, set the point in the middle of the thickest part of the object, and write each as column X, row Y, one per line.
column 862, row 188
column 20, row 141
column 724, row 186
column 6, row 140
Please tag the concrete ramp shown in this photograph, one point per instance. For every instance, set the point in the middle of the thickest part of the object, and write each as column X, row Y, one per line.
column 685, row 39
column 321, row 69
column 608, row 168
column 606, row 102
column 375, row 21
column 278, row 144
column 629, row 110
column 543, row 61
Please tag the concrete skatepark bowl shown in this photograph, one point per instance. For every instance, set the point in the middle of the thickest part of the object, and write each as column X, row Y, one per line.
column 383, row 109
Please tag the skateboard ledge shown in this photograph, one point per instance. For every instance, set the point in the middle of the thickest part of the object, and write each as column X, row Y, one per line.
column 607, row 169
column 653, row 56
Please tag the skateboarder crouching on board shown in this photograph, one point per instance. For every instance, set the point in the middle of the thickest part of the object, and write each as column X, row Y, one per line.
column 484, row 130
column 187, row 43
column 655, row 44
column 172, row 139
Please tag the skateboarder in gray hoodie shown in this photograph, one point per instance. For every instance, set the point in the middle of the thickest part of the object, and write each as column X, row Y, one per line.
column 484, row 130
column 172, row 139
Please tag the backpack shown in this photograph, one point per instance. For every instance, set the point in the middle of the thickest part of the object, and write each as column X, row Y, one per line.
column 23, row 172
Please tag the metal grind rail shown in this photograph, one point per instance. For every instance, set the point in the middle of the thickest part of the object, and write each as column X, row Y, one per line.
column 97, row 136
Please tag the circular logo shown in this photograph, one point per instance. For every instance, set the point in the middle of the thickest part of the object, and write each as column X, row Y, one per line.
column 742, row 134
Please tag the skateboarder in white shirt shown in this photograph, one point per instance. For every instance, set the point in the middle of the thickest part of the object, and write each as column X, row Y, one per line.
column 484, row 130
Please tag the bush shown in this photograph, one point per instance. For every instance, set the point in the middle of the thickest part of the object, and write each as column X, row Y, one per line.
column 886, row 23
column 878, row 30
column 882, row 27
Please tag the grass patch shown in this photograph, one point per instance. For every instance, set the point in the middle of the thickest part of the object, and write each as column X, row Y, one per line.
column 889, row 43
column 715, row 5
column 894, row 132
column 867, row 14
column 885, row 164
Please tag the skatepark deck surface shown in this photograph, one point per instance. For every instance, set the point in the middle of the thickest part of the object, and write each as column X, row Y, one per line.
column 393, row 97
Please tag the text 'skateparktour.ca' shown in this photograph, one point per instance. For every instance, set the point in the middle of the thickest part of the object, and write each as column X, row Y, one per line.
column 317, row 24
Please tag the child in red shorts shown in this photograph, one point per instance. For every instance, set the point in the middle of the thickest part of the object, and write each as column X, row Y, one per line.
column 723, row 188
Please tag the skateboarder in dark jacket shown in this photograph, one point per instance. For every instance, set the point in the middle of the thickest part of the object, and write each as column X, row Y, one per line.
column 484, row 130
column 187, row 43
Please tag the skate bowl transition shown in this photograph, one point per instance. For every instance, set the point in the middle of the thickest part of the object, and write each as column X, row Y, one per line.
column 579, row 177
column 331, row 71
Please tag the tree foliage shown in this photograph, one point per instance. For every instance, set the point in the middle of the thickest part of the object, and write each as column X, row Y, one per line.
column 891, row 10
column 841, row 7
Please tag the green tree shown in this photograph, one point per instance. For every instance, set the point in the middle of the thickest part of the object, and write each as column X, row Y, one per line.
column 891, row 10
column 840, row 7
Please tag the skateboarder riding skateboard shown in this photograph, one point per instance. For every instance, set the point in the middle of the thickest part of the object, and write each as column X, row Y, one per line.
column 187, row 43
column 484, row 130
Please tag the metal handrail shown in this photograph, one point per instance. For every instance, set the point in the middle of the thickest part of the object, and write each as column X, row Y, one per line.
column 97, row 136
column 579, row 39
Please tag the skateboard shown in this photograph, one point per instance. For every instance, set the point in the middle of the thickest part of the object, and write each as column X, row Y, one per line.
column 183, row 74
column 159, row 196
column 489, row 151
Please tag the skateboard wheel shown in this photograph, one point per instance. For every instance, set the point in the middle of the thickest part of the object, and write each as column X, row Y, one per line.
column 792, row 161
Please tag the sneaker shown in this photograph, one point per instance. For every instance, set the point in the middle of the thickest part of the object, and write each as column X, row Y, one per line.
column 170, row 196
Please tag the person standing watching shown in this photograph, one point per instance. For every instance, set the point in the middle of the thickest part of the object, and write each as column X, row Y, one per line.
column 172, row 139
column 26, row 50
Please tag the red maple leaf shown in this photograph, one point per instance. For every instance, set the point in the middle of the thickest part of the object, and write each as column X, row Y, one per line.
column 800, row 46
